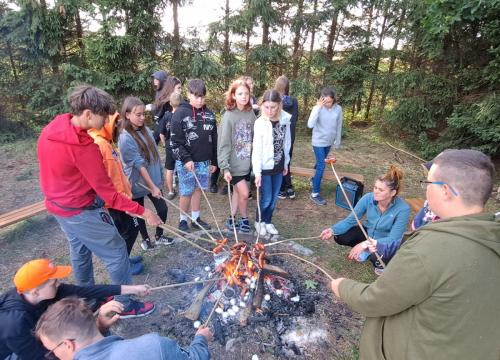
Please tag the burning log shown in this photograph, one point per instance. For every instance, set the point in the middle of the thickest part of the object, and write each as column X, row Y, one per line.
column 193, row 312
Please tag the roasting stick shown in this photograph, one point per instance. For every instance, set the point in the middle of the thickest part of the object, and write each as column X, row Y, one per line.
column 222, row 293
column 184, row 283
column 208, row 202
column 295, row 239
column 406, row 152
column 231, row 207
column 182, row 212
column 331, row 161
column 304, row 260
column 258, row 211
column 187, row 235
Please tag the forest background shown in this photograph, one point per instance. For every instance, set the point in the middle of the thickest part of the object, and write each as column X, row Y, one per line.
column 423, row 71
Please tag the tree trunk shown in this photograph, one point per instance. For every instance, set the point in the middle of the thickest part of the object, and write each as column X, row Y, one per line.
column 177, row 39
column 296, row 39
column 11, row 59
column 332, row 35
column 311, row 53
column 79, row 32
column 265, row 32
column 226, row 60
column 377, row 61
column 392, row 62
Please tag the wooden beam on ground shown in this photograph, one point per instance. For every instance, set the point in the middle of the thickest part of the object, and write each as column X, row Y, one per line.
column 24, row 213
column 328, row 175
column 415, row 203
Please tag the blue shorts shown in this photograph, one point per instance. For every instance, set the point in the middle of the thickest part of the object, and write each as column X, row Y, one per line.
column 187, row 182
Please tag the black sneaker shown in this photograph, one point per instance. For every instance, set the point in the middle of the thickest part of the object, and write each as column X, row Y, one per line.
column 214, row 188
column 146, row 244
column 137, row 309
column 183, row 225
column 229, row 224
column 290, row 193
column 164, row 240
column 282, row 195
column 250, row 196
column 244, row 225
column 318, row 200
column 203, row 225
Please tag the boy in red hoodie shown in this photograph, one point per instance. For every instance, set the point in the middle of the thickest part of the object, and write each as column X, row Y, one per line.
column 76, row 186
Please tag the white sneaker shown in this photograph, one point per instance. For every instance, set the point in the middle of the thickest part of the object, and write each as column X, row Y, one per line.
column 261, row 228
column 271, row 229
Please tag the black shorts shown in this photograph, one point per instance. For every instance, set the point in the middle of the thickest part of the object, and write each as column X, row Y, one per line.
column 169, row 159
column 237, row 179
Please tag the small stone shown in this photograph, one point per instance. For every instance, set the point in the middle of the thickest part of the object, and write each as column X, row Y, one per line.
column 279, row 292
column 166, row 311
column 295, row 298
column 242, row 304
column 225, row 315
column 255, row 357
column 267, row 297
column 231, row 312
column 235, row 309
column 219, row 310
column 207, row 268
column 197, row 278
column 252, row 286
column 233, row 301
column 197, row 324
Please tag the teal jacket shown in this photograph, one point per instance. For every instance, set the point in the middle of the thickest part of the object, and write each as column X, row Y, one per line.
column 385, row 228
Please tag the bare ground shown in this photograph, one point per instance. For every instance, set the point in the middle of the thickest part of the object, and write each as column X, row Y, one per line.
column 362, row 152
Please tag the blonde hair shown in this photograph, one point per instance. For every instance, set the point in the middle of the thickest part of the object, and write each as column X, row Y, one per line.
column 175, row 99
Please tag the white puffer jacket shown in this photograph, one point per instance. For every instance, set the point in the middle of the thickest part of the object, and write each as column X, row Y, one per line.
column 263, row 147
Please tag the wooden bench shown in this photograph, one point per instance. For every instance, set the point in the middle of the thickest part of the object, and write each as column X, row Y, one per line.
column 328, row 174
column 21, row 214
column 415, row 203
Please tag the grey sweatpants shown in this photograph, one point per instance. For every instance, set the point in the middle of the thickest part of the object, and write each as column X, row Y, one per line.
column 93, row 232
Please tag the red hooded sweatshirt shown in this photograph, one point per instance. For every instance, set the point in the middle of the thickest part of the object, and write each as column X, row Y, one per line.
column 72, row 171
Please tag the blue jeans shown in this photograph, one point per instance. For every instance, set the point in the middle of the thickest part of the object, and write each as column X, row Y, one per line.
column 93, row 232
column 269, row 188
column 320, row 153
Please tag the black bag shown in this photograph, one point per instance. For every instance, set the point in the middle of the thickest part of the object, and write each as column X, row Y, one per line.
column 353, row 189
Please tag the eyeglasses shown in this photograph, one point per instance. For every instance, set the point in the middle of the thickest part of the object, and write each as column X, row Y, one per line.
column 425, row 183
column 50, row 355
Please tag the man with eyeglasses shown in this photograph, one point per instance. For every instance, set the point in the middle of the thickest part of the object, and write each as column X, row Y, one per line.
column 36, row 287
column 69, row 330
column 439, row 296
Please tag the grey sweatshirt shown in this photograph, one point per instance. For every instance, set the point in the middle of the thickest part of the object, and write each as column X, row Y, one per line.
column 234, row 152
column 133, row 160
column 326, row 125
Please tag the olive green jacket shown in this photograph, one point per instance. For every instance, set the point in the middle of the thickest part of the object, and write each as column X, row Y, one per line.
column 439, row 297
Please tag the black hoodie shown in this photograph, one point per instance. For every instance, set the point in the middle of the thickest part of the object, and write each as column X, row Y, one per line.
column 18, row 318
column 193, row 134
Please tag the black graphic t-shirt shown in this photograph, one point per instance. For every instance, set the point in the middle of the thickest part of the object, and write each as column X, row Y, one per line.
column 279, row 153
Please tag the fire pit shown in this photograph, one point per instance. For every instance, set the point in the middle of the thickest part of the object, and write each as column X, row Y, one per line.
column 287, row 311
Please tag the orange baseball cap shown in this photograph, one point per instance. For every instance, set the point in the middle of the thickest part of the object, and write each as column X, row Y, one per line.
column 35, row 272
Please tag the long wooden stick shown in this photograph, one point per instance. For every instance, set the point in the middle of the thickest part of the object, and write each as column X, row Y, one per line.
column 169, row 229
column 182, row 212
column 196, row 237
column 184, row 284
column 208, row 202
column 379, row 258
column 258, row 212
column 231, row 208
column 304, row 260
column 294, row 239
column 406, row 152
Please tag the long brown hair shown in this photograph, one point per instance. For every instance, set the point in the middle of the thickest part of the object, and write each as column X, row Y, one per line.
column 167, row 90
column 393, row 179
column 147, row 148
column 230, row 103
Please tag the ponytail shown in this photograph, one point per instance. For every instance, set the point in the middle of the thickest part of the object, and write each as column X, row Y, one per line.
column 393, row 179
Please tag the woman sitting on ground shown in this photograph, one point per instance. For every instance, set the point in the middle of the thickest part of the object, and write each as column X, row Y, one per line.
column 386, row 217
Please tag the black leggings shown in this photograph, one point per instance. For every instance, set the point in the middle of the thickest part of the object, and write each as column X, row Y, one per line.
column 162, row 210
column 353, row 237
column 127, row 226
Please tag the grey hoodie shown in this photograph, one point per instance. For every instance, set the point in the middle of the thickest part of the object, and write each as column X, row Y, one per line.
column 326, row 125
column 149, row 346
